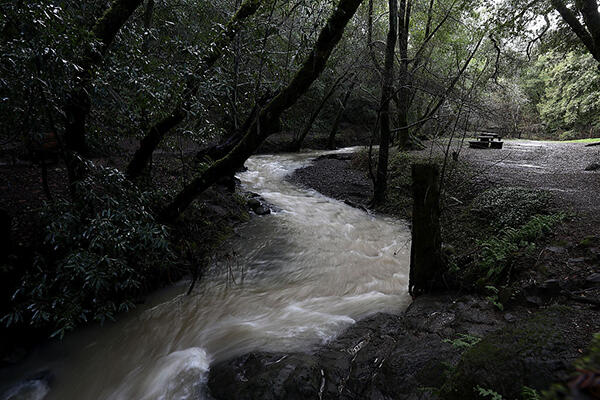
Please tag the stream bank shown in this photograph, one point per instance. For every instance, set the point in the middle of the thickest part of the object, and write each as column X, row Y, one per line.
column 289, row 282
column 515, row 342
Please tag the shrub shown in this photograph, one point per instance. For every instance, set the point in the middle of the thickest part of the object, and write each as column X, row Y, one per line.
column 510, row 206
column 498, row 251
column 98, row 255
column 568, row 135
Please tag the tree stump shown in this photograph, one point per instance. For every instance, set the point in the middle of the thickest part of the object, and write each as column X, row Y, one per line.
column 5, row 235
column 426, row 264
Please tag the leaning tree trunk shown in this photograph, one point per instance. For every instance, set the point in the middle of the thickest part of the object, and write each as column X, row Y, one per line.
column 268, row 118
column 426, row 264
column 338, row 118
column 215, row 152
column 296, row 144
column 78, row 104
column 157, row 132
column 384, row 118
column 588, row 34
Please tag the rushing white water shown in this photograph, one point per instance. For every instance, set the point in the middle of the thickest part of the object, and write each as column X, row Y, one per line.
column 301, row 275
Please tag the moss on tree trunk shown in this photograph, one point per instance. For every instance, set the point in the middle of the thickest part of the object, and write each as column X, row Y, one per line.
column 426, row 265
column 157, row 132
column 268, row 119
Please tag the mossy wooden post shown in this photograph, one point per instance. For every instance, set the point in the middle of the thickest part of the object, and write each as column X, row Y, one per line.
column 426, row 265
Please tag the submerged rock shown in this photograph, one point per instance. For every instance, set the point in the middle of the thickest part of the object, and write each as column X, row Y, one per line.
column 442, row 347
column 262, row 210
column 254, row 203
column 257, row 205
column 382, row 357
column 266, row 376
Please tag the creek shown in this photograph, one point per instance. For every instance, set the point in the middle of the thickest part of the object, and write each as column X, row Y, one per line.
column 292, row 281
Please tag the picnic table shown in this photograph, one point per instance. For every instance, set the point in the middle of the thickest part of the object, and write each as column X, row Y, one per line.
column 487, row 141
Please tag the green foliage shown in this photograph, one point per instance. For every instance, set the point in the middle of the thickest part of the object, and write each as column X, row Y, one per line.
column 530, row 394
column 488, row 393
column 39, row 43
column 101, row 251
column 568, row 88
column 494, row 297
column 510, row 206
column 463, row 341
column 498, row 251
column 591, row 361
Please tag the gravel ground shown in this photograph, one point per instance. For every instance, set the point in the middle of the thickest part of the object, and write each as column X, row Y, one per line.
column 557, row 167
column 333, row 176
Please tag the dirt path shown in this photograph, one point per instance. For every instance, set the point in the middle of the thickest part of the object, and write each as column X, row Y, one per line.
column 557, row 167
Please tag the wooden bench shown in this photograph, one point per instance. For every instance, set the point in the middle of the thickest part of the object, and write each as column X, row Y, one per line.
column 487, row 141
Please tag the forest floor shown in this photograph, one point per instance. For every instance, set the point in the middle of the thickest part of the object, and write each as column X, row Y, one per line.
column 514, row 339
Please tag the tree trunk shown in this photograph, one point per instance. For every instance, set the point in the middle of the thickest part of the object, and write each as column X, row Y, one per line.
column 386, row 96
column 143, row 155
column 403, row 90
column 296, row 144
column 268, row 119
column 148, row 14
column 6, row 235
column 78, row 102
column 77, row 109
column 217, row 151
column 588, row 34
column 157, row 132
column 338, row 118
column 426, row 264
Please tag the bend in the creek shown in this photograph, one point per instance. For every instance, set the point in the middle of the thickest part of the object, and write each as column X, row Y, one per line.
column 293, row 280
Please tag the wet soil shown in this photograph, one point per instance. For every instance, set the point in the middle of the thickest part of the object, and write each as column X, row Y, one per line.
column 445, row 346
column 333, row 176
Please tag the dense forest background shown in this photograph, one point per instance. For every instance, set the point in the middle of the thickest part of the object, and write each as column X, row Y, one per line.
column 129, row 110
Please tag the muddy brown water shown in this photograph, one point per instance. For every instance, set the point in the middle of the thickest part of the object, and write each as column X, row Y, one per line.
column 297, row 279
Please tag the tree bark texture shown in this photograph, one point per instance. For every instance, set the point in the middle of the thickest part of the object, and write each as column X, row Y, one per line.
column 155, row 134
column 386, row 96
column 403, row 79
column 6, row 235
column 426, row 265
column 588, row 34
column 338, row 118
column 296, row 144
column 217, row 151
column 268, row 118
column 78, row 102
